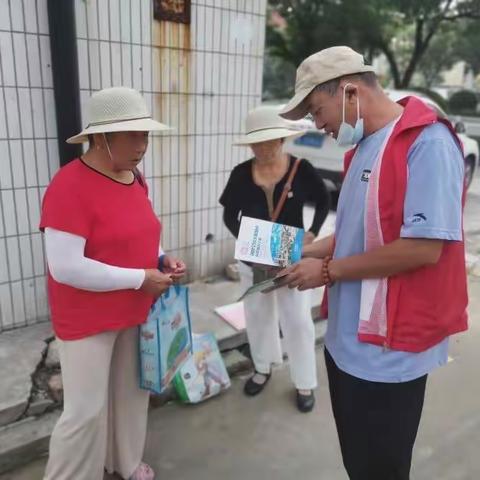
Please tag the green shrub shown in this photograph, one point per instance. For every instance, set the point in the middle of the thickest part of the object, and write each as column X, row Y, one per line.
column 463, row 101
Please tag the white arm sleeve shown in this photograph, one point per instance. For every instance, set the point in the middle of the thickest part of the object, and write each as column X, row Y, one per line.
column 67, row 264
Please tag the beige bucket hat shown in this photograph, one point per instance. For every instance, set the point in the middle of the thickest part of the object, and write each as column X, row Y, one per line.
column 321, row 67
column 264, row 123
column 117, row 109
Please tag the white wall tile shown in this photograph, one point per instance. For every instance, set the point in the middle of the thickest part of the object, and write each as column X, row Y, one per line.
column 174, row 156
column 208, row 72
column 37, row 163
column 53, row 156
column 3, row 261
column 5, row 16
column 166, row 195
column 22, row 213
column 46, row 61
column 80, row 18
column 83, row 64
column 3, row 116
column 5, row 169
column 156, row 67
column 13, row 258
column 18, row 303
column 50, row 111
column 17, row 163
column 33, row 208
column 24, row 98
column 38, row 255
column 114, row 20
column 146, row 13
column 6, row 306
column 92, row 19
column 33, row 56
column 116, row 53
column 105, row 72
column 30, row 296
column 136, row 67
column 209, row 28
column 13, row 120
column 8, row 65
column 125, row 21
column 42, row 12
column 30, row 161
column 103, row 12
column 16, row 13
column 147, row 68
column 25, row 256
column 165, row 155
column 200, row 29
column 135, row 19
column 127, row 78
column 199, row 73
column 95, row 70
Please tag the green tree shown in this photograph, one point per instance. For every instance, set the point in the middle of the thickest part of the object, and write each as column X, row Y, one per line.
column 467, row 45
column 402, row 30
column 441, row 55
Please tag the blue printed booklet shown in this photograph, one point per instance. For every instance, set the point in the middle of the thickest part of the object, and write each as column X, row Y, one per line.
column 268, row 243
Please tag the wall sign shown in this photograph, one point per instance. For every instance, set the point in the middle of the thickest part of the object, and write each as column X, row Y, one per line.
column 172, row 10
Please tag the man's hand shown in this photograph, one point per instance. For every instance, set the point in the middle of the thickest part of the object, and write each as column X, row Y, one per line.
column 174, row 267
column 305, row 274
column 308, row 238
column 156, row 283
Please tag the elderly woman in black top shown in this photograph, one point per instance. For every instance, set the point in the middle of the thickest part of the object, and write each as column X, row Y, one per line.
column 254, row 189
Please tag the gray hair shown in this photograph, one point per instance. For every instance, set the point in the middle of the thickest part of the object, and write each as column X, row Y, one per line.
column 331, row 87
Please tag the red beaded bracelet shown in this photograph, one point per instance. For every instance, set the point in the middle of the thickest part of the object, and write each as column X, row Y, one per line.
column 327, row 279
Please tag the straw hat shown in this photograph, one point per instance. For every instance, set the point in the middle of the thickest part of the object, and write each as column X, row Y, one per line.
column 321, row 67
column 117, row 109
column 264, row 123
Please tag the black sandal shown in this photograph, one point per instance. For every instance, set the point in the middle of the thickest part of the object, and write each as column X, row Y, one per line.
column 253, row 388
column 305, row 403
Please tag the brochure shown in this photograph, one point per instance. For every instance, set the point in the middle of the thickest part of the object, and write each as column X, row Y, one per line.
column 268, row 243
column 265, row 286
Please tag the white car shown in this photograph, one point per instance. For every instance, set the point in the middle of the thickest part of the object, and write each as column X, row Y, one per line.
column 326, row 155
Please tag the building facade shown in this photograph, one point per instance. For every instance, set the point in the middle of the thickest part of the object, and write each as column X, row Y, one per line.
column 201, row 77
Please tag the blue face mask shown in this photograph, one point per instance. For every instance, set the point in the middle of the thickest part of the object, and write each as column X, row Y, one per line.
column 348, row 135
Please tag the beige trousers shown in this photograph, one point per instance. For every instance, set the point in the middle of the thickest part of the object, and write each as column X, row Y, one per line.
column 104, row 420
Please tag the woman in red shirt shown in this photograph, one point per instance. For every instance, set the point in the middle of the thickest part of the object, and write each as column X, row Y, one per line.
column 102, row 241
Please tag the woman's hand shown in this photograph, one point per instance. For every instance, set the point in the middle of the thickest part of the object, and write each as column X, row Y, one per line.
column 156, row 283
column 174, row 267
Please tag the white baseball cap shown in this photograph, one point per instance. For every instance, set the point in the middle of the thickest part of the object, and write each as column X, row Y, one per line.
column 321, row 67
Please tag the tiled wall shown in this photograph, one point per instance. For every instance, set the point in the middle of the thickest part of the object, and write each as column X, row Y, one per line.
column 201, row 79
column 28, row 157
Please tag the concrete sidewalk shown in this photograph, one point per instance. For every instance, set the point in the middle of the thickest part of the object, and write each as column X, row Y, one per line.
column 236, row 438
column 28, row 416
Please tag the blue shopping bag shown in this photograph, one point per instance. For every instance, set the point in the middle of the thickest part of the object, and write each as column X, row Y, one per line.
column 165, row 339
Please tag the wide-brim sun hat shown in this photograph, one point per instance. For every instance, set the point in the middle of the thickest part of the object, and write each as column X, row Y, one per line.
column 321, row 67
column 264, row 123
column 117, row 109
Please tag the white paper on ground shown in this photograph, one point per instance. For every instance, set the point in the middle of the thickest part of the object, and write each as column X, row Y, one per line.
column 233, row 314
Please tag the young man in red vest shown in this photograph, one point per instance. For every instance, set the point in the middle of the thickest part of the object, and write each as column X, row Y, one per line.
column 395, row 266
